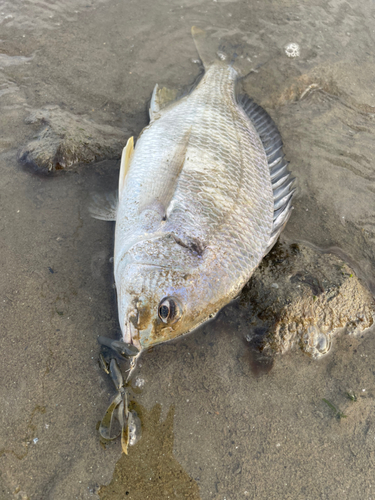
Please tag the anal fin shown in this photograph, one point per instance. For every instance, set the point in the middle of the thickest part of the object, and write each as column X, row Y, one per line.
column 160, row 99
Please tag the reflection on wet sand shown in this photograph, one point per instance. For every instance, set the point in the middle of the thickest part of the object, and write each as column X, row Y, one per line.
column 151, row 471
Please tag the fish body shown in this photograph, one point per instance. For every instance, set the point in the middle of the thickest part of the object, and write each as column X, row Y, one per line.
column 197, row 208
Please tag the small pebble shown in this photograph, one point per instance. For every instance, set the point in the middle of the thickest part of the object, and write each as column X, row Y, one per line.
column 292, row 49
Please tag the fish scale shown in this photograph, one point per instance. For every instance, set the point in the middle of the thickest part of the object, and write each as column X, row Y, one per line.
column 223, row 177
column 196, row 210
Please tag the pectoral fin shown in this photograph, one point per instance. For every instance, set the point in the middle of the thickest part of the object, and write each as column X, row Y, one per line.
column 104, row 206
column 158, row 194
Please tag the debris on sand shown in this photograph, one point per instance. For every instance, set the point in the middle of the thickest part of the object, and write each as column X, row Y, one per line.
column 67, row 140
column 300, row 297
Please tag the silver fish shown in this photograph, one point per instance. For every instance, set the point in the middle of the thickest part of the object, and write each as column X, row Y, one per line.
column 203, row 196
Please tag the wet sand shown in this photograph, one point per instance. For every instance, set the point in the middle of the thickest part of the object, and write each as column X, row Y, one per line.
column 219, row 421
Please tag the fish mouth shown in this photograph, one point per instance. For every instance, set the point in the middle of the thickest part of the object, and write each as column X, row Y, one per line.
column 131, row 333
column 126, row 350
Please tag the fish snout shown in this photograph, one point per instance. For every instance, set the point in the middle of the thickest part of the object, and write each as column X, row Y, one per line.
column 131, row 330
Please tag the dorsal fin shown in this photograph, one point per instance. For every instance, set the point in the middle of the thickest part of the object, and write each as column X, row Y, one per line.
column 127, row 153
column 280, row 175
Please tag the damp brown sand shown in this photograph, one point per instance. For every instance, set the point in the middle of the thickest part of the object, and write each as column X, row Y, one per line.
column 302, row 298
column 151, row 470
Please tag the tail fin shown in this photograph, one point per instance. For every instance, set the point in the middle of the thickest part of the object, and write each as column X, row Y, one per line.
column 212, row 48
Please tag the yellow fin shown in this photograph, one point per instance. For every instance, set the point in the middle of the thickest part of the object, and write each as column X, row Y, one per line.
column 127, row 154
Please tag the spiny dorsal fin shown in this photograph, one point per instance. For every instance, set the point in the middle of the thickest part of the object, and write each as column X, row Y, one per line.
column 127, row 153
column 280, row 176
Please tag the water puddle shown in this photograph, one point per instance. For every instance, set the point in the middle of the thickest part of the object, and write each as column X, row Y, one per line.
column 151, row 470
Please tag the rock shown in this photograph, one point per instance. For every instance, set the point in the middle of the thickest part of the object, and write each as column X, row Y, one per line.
column 301, row 298
column 67, row 140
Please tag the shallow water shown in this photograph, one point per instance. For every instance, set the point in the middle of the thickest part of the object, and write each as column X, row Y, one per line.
column 213, row 428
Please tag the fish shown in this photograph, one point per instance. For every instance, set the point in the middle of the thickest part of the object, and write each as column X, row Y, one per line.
column 203, row 195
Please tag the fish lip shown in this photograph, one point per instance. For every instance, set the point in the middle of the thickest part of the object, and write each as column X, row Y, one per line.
column 131, row 332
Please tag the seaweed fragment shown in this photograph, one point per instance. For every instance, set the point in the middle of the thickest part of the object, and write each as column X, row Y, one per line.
column 338, row 413
column 351, row 396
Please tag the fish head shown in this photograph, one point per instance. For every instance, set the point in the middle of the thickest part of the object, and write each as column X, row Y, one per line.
column 159, row 304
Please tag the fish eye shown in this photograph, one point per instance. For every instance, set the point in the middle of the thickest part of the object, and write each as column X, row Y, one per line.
column 169, row 310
